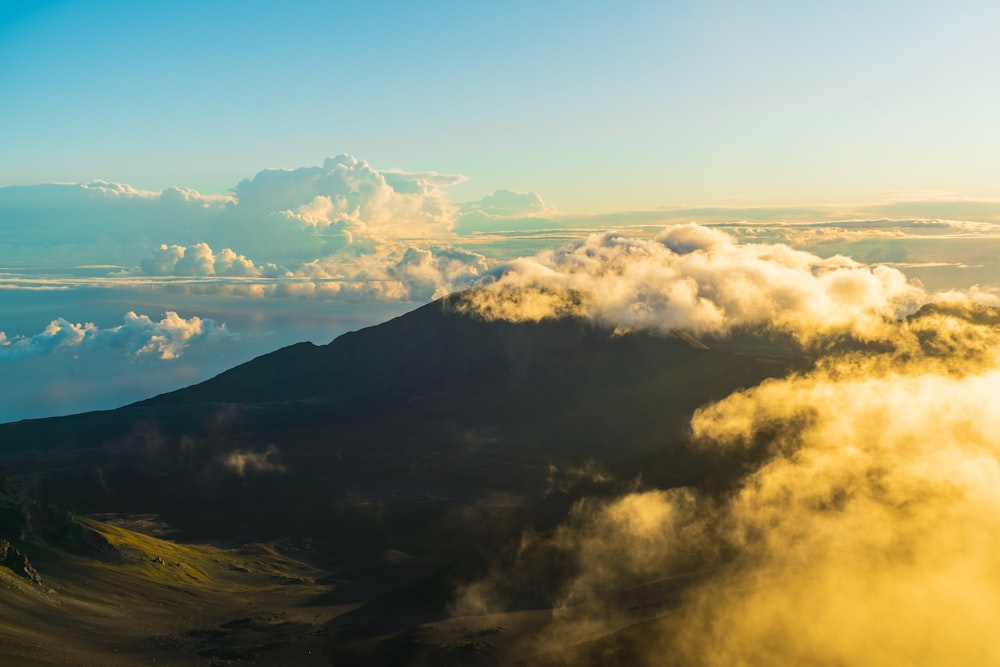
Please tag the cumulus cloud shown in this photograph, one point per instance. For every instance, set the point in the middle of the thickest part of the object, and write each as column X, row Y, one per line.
column 430, row 273
column 344, row 230
column 280, row 215
column 700, row 280
column 138, row 335
column 200, row 260
column 863, row 532
column 350, row 196
column 291, row 217
column 393, row 272
column 386, row 271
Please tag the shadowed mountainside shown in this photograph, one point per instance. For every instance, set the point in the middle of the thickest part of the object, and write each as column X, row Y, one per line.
column 419, row 413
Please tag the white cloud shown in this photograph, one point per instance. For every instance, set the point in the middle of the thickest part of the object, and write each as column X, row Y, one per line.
column 138, row 335
column 393, row 272
column 285, row 216
column 384, row 271
column 348, row 231
column 433, row 273
column 59, row 334
column 698, row 279
column 200, row 260
column 350, row 196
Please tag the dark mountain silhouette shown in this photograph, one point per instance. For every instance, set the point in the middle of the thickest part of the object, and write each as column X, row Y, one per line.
column 430, row 409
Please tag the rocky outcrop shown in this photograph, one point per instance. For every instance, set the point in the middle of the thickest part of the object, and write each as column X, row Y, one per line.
column 17, row 562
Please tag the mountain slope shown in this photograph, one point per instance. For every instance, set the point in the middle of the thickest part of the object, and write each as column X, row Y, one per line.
column 431, row 409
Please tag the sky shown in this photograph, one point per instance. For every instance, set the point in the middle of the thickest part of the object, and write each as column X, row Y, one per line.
column 184, row 186
column 598, row 106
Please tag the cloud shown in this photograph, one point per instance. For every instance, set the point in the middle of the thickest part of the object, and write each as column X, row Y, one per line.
column 281, row 219
column 349, row 196
column 874, row 522
column 59, row 334
column 138, row 335
column 200, row 260
column 863, row 530
column 508, row 203
column 433, row 273
column 385, row 271
column 242, row 462
column 506, row 210
column 393, row 272
column 700, row 280
column 281, row 215
column 344, row 230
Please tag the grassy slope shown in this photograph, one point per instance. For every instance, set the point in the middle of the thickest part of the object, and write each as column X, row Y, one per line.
column 150, row 600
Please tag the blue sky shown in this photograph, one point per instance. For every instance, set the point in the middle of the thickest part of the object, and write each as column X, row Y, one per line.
column 598, row 106
column 186, row 185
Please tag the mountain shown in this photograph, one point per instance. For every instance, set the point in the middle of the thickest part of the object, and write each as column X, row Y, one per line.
column 430, row 409
column 384, row 468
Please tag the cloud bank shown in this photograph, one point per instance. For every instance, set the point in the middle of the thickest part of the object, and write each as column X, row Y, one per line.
column 388, row 271
column 280, row 220
column 138, row 335
column 875, row 519
column 863, row 532
column 277, row 216
column 342, row 230
column 700, row 280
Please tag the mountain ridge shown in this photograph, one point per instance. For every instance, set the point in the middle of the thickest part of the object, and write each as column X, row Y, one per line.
column 436, row 403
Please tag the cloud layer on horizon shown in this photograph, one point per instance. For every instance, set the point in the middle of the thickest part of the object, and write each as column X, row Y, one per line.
column 339, row 230
column 387, row 272
column 344, row 213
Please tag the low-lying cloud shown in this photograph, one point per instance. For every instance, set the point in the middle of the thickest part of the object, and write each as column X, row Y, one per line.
column 137, row 335
column 279, row 220
column 874, row 523
column 700, row 280
column 385, row 272
column 200, row 260
column 243, row 462
column 864, row 532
